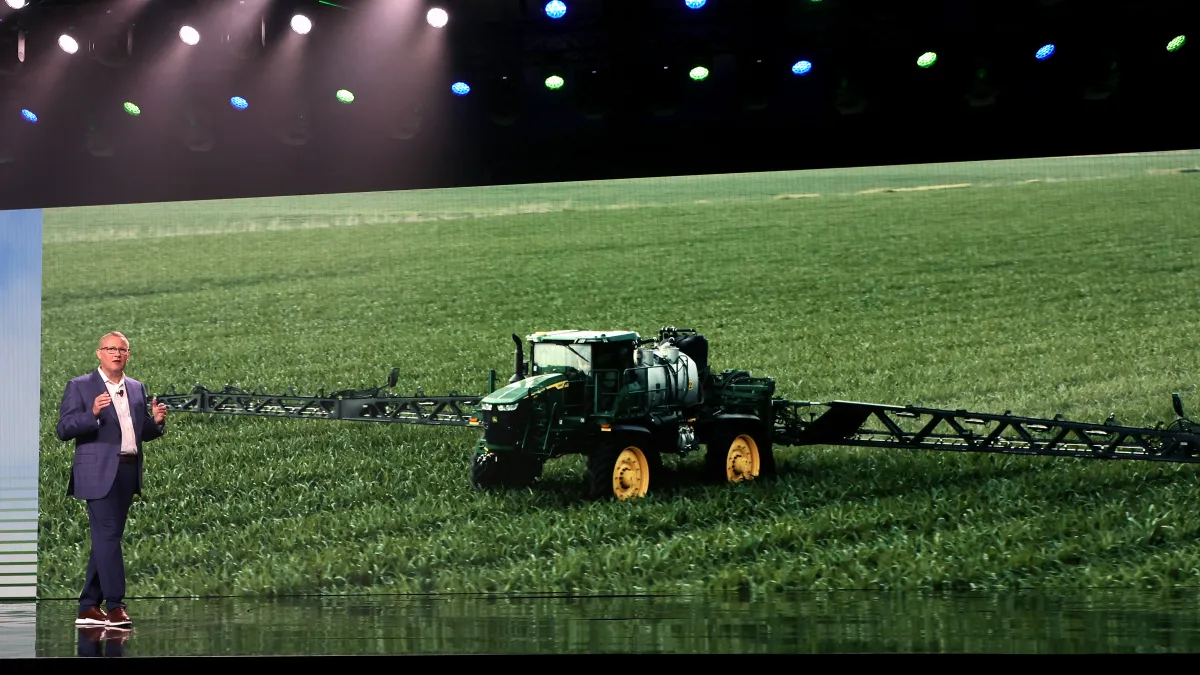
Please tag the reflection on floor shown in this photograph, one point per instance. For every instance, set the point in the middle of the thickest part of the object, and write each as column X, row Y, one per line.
column 18, row 629
column 102, row 641
column 1085, row 622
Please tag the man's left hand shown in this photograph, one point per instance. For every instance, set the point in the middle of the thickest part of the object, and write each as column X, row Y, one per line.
column 160, row 410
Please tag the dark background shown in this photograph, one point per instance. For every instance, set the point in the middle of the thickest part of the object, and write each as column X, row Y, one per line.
column 1110, row 87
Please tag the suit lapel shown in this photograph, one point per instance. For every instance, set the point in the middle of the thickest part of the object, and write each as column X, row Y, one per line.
column 98, row 387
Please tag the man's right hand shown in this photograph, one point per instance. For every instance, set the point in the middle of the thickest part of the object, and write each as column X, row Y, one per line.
column 102, row 401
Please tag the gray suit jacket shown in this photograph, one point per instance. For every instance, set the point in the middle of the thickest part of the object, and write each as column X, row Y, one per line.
column 98, row 440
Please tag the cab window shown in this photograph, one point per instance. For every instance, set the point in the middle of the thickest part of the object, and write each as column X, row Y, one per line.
column 548, row 356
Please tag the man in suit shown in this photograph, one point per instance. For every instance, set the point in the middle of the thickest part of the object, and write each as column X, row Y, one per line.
column 104, row 412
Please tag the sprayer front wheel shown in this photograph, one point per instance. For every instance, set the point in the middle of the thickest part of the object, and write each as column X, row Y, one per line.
column 622, row 469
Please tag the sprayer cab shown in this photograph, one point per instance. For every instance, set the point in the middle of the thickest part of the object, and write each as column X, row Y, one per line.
column 581, row 351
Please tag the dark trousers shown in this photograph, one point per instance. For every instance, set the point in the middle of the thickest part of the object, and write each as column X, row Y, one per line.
column 105, row 578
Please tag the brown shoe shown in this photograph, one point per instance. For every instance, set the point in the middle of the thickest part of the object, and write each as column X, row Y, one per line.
column 119, row 617
column 92, row 616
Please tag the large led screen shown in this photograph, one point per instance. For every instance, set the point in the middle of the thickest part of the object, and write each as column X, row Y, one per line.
column 1034, row 287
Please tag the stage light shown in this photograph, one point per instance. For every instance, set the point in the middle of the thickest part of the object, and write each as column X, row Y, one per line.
column 695, row 4
column 239, row 103
column 460, row 88
column 301, row 24
column 132, row 109
column 68, row 44
column 801, row 68
column 15, row 4
column 28, row 115
column 699, row 73
column 345, row 96
column 1044, row 53
column 556, row 9
column 1175, row 44
column 189, row 35
column 927, row 59
column 437, row 17
column 12, row 43
column 112, row 45
column 554, row 82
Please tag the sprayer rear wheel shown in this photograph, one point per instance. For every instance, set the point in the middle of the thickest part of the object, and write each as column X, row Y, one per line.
column 739, row 453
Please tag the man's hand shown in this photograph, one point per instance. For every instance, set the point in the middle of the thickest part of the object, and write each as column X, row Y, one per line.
column 102, row 401
column 160, row 410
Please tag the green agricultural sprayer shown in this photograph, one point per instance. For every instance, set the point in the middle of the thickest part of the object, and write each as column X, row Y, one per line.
column 626, row 402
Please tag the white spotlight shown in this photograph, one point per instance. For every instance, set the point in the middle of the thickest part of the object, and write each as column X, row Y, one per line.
column 15, row 4
column 301, row 24
column 189, row 35
column 437, row 17
column 68, row 44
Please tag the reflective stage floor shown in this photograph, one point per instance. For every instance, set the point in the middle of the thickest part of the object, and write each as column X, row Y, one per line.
column 839, row 622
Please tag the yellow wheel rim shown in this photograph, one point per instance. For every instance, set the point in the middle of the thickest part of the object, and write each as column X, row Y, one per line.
column 631, row 474
column 742, row 462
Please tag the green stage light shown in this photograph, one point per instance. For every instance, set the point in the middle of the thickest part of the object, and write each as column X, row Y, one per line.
column 554, row 82
column 699, row 73
column 345, row 96
column 927, row 59
column 1174, row 45
column 132, row 109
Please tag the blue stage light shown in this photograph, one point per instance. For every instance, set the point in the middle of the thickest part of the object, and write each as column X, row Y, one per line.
column 1045, row 52
column 460, row 88
column 556, row 9
column 28, row 115
column 695, row 4
column 239, row 103
column 802, row 67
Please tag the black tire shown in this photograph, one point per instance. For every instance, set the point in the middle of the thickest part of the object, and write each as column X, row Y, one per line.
column 717, row 452
column 492, row 471
column 602, row 464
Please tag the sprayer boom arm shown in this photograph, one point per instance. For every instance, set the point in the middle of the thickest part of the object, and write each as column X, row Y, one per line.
column 367, row 406
column 911, row 427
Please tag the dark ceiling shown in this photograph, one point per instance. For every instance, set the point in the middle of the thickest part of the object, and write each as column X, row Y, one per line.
column 628, row 108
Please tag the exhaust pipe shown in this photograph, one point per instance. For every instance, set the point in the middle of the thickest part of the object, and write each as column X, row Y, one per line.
column 519, row 369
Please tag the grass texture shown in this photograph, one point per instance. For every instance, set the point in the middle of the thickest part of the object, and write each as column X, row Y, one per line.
column 1061, row 285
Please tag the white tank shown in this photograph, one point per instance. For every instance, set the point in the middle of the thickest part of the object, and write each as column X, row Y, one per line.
column 674, row 379
column 669, row 353
column 644, row 356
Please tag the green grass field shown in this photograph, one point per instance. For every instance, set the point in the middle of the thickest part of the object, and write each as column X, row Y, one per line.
column 1039, row 286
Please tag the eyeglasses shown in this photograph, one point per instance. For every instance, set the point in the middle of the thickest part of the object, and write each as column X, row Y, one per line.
column 115, row 350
